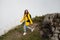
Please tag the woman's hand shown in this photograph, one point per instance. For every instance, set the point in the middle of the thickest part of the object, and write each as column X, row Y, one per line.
column 20, row 21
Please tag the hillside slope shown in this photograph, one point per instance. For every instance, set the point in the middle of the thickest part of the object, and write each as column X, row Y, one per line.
column 16, row 34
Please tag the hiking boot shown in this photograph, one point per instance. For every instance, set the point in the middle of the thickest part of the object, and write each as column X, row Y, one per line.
column 32, row 30
column 24, row 33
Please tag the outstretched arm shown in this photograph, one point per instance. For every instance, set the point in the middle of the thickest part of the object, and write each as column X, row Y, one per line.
column 22, row 19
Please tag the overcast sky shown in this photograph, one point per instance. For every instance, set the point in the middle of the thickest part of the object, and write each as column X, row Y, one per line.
column 11, row 11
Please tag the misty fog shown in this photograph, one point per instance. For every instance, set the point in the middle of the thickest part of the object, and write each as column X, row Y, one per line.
column 11, row 11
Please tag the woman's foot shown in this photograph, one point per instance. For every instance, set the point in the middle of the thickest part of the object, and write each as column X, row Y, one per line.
column 32, row 29
column 24, row 33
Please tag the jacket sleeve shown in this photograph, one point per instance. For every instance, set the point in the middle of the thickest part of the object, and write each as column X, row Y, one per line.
column 22, row 19
column 30, row 19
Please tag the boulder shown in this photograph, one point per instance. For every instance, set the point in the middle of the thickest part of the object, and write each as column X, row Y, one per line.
column 50, row 26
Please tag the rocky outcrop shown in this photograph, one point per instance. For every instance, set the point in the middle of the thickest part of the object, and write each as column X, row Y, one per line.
column 50, row 28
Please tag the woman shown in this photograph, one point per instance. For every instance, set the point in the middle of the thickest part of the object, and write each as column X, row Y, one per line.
column 27, row 21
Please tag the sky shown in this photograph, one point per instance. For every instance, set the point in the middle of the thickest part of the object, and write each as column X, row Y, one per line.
column 11, row 11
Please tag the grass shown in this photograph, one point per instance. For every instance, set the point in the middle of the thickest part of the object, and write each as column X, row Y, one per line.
column 32, row 36
column 16, row 34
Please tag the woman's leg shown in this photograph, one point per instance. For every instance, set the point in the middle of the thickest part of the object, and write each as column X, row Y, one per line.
column 24, row 30
column 30, row 28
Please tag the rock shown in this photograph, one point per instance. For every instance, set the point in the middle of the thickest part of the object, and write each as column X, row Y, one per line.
column 50, row 24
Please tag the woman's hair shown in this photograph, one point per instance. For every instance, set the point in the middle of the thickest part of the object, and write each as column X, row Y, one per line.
column 26, row 12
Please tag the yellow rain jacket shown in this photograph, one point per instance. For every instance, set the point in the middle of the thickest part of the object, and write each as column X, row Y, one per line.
column 25, row 18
